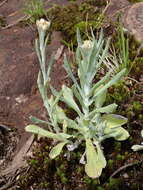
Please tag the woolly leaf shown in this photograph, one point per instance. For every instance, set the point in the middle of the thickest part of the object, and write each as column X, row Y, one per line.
column 93, row 167
column 37, row 130
column 142, row 133
column 56, row 150
column 114, row 80
column 114, row 120
column 107, row 109
column 119, row 133
column 68, row 98
column 100, row 99
column 101, row 157
column 137, row 147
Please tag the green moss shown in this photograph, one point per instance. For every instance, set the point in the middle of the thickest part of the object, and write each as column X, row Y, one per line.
column 100, row 188
column 141, row 117
column 79, row 170
column 137, row 106
column 46, row 160
column 79, row 155
column 110, row 163
column 97, row 2
column 131, row 139
column 117, row 146
column 60, row 172
column 67, row 18
column 114, row 184
column 44, row 185
column 33, row 162
column 87, row 180
column 120, row 157
column 64, row 180
column 137, row 68
column 95, row 182
column 119, row 93
column 134, row 110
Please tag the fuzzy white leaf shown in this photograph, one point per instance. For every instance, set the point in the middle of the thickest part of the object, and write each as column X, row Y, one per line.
column 137, row 147
column 56, row 150
column 68, row 98
column 93, row 167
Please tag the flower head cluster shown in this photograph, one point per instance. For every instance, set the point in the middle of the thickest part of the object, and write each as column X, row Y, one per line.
column 43, row 24
column 87, row 44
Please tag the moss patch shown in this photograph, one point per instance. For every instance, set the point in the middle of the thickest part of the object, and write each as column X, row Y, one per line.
column 67, row 18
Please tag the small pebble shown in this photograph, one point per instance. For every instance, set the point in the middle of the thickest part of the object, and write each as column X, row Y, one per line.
column 125, row 175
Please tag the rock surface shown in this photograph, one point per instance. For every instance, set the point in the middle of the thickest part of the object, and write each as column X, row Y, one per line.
column 131, row 16
column 19, row 97
column 133, row 20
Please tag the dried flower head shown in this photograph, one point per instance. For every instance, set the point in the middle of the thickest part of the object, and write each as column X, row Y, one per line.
column 87, row 44
column 43, row 24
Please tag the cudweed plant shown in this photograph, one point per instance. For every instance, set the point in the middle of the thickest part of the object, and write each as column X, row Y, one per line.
column 94, row 122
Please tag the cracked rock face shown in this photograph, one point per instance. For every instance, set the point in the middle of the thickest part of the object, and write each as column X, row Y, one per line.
column 133, row 20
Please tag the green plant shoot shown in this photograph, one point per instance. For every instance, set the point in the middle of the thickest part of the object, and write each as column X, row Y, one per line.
column 34, row 9
column 118, row 62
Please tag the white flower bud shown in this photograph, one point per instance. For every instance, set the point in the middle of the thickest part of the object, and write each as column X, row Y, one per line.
column 43, row 24
column 87, row 44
